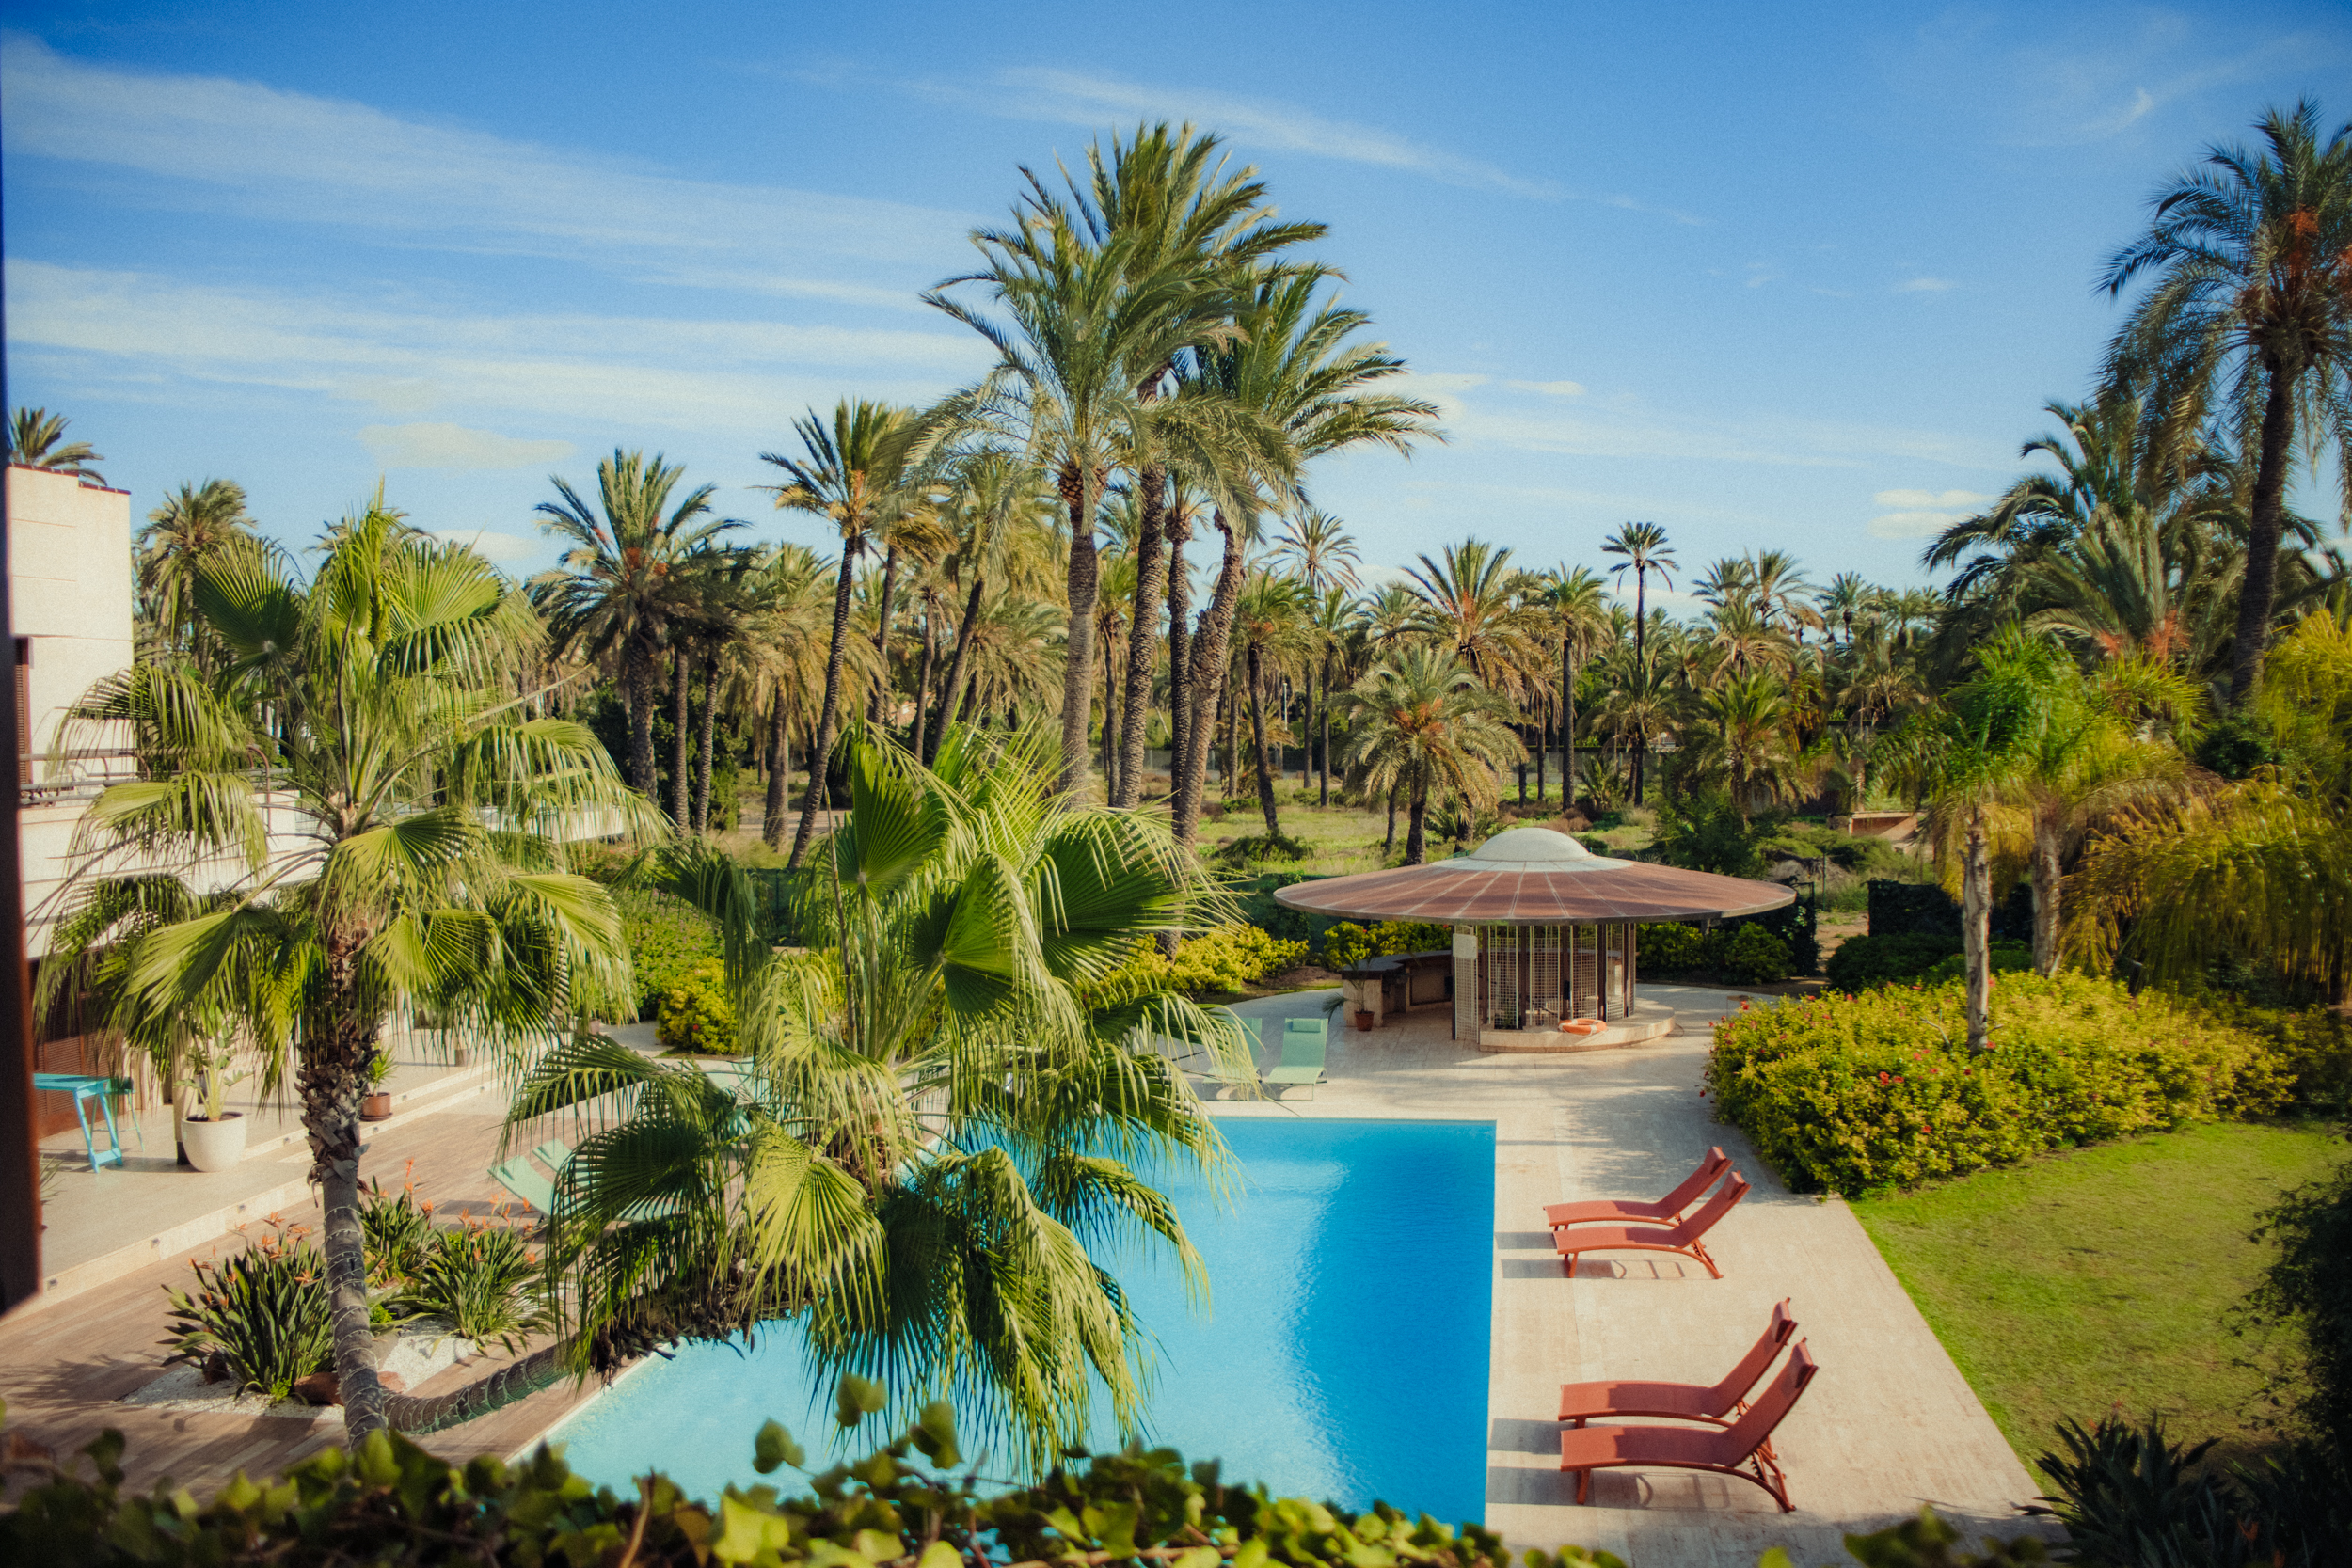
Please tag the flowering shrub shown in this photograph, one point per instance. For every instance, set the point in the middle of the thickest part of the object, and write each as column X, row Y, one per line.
column 1853, row 1093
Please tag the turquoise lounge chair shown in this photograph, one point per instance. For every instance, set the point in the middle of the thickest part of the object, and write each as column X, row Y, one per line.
column 1303, row 1042
column 521, row 1177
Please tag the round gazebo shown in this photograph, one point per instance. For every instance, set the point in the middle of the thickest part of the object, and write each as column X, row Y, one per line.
column 1543, row 935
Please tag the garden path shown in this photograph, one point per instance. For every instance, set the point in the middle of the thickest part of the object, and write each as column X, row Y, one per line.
column 1889, row 1423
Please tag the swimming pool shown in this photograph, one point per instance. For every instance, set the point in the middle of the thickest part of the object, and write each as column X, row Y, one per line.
column 1345, row 1357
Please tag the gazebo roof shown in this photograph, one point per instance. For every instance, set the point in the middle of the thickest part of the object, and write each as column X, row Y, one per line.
column 1532, row 877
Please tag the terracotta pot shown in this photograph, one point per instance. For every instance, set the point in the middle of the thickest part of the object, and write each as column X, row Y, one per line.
column 214, row 1145
column 375, row 1107
column 1363, row 1019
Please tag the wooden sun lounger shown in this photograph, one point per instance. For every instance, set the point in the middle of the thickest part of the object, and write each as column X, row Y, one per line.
column 1717, row 1404
column 1743, row 1449
column 1684, row 1236
column 1629, row 1210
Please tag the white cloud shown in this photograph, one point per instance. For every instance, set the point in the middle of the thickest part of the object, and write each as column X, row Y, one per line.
column 1911, row 525
column 729, row 374
column 1967, row 498
column 493, row 546
column 454, row 446
column 288, row 155
column 1925, row 286
column 1551, row 388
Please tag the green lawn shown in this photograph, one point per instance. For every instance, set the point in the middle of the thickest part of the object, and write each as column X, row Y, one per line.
column 2101, row 1277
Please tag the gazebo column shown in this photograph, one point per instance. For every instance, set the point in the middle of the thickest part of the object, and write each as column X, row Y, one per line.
column 1467, row 1001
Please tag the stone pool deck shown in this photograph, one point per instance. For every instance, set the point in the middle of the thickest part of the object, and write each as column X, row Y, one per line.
column 1888, row 1424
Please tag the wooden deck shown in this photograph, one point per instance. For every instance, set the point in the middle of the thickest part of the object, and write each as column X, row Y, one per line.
column 65, row 1367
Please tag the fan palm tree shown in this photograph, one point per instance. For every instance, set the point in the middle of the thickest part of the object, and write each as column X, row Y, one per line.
column 628, row 568
column 37, row 440
column 930, row 1149
column 1297, row 368
column 854, row 473
column 429, row 873
column 2251, row 311
column 1424, row 724
column 191, row 524
column 1644, row 546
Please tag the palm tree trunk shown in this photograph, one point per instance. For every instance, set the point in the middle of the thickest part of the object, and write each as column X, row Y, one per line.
column 1179, row 647
column 829, row 715
column 1641, row 662
column 882, row 634
column 1323, row 717
column 1416, row 829
column 337, row 1039
column 542, row 1368
column 640, row 695
column 923, row 677
column 1543, row 735
column 2265, row 520
column 779, row 776
column 1110, row 716
column 703, row 742
column 1151, row 573
column 1229, row 715
column 951, row 695
column 1205, row 670
column 1086, row 588
column 1257, row 733
column 681, row 780
column 2046, row 876
column 1387, row 847
column 1976, row 915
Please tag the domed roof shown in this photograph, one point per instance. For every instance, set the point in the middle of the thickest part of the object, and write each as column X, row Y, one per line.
column 1534, row 846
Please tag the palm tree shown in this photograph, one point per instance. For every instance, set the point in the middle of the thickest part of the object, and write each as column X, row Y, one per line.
column 1295, row 370
column 1317, row 546
column 429, row 870
column 854, row 473
column 779, row 658
column 1849, row 595
column 179, row 536
column 1274, row 619
column 629, row 569
column 2251, row 310
column 1644, row 546
column 37, row 440
column 927, row 1160
column 1424, row 724
column 1575, row 601
column 1472, row 606
column 995, row 503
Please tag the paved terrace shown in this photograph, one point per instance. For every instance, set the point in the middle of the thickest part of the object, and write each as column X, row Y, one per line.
column 1888, row 1424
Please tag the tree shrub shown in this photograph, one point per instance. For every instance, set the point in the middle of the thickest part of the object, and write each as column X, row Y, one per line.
column 1231, row 958
column 2002, row 957
column 1881, row 1090
column 1755, row 957
column 2127, row 1494
column 2308, row 1287
column 1861, row 962
column 1263, row 847
column 668, row 938
column 1670, row 948
column 1411, row 936
column 695, row 1014
column 1346, row 945
column 483, row 1281
column 391, row 1504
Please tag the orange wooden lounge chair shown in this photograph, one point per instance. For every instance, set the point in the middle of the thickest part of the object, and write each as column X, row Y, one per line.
column 1624, row 1211
column 1683, row 1236
column 1581, row 1403
column 1743, row 1449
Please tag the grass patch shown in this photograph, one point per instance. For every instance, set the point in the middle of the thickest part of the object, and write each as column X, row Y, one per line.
column 2099, row 1278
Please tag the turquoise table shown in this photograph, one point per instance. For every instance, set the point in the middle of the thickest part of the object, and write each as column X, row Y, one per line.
column 84, row 1089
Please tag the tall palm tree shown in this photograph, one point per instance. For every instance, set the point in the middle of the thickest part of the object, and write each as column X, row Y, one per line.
column 1274, row 620
column 628, row 569
column 1297, row 369
column 1644, row 546
column 1577, row 604
column 927, row 1158
column 1849, row 595
column 1318, row 547
column 2251, row 311
column 1424, row 723
column 995, row 503
column 852, row 473
column 1747, row 742
column 191, row 524
column 1472, row 606
column 37, row 440
column 779, row 659
column 429, row 873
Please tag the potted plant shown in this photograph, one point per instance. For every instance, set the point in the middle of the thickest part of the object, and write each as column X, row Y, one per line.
column 376, row 1105
column 212, row 1134
column 1363, row 1019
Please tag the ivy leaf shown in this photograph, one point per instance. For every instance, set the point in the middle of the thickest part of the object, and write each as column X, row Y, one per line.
column 774, row 1446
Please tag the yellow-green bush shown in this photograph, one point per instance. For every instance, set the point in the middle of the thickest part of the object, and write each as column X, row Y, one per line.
column 1231, row 958
column 1853, row 1093
column 696, row 1015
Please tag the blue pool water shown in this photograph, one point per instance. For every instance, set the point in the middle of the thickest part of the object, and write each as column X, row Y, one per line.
column 1345, row 1356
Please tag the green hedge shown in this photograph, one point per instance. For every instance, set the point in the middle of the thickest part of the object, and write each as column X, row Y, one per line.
column 1747, row 954
column 668, row 941
column 391, row 1504
column 1861, row 962
column 1347, row 944
column 1857, row 1093
column 695, row 1015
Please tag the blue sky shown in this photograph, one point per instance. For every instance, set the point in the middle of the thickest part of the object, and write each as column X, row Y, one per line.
column 1797, row 279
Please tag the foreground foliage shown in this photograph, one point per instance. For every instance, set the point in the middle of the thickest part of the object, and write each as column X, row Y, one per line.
column 1881, row 1089
column 2130, row 1497
column 390, row 1502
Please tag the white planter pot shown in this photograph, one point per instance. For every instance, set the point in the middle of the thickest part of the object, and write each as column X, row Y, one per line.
column 214, row 1145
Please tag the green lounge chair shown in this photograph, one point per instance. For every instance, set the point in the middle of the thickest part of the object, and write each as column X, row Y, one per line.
column 521, row 1177
column 1304, row 1042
